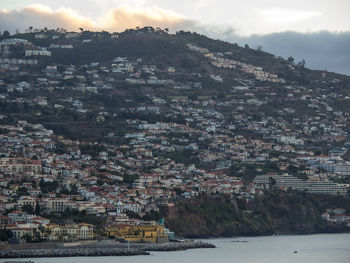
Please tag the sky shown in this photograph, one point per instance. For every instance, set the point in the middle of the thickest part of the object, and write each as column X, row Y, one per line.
column 315, row 30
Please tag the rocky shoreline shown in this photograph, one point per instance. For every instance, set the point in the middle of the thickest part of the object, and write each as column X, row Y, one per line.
column 71, row 252
column 100, row 251
column 178, row 246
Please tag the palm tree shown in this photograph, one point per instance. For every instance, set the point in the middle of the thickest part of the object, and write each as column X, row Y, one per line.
column 272, row 182
column 27, row 237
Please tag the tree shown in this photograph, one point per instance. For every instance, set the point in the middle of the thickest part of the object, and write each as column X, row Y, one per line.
column 302, row 63
column 272, row 182
column 37, row 235
column 132, row 214
column 6, row 33
column 74, row 190
column 290, row 59
column 5, row 235
column 22, row 191
column 27, row 237
column 152, row 215
column 48, row 186
column 100, row 182
column 34, row 184
column 37, row 208
column 28, row 209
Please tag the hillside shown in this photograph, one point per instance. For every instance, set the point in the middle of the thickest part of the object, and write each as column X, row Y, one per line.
column 276, row 213
column 136, row 121
column 162, row 50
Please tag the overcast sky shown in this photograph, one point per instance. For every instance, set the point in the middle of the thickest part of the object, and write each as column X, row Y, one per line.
column 316, row 30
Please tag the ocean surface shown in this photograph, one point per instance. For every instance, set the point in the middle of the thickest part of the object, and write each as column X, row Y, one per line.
column 271, row 249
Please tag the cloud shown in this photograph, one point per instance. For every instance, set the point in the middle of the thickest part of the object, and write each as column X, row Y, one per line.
column 115, row 20
column 40, row 16
column 130, row 17
column 321, row 50
column 118, row 19
column 286, row 15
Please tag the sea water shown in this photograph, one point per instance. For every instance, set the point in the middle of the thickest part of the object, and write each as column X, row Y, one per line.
column 269, row 249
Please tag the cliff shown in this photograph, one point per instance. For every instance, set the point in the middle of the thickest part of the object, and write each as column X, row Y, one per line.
column 281, row 213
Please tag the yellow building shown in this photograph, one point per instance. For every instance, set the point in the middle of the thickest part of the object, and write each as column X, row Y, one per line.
column 71, row 231
column 27, row 201
column 138, row 233
column 20, row 232
column 57, row 204
column 20, row 165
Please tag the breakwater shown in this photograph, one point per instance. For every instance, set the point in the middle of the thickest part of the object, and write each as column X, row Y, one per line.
column 99, row 250
column 178, row 246
column 71, row 252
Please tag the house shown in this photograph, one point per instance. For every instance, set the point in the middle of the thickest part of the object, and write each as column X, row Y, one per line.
column 20, row 232
column 39, row 219
column 5, row 220
column 339, row 211
column 27, row 200
column 340, row 218
column 19, row 216
column 56, row 204
column 326, row 216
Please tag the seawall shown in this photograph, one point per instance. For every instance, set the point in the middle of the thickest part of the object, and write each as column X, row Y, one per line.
column 71, row 252
column 100, row 250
